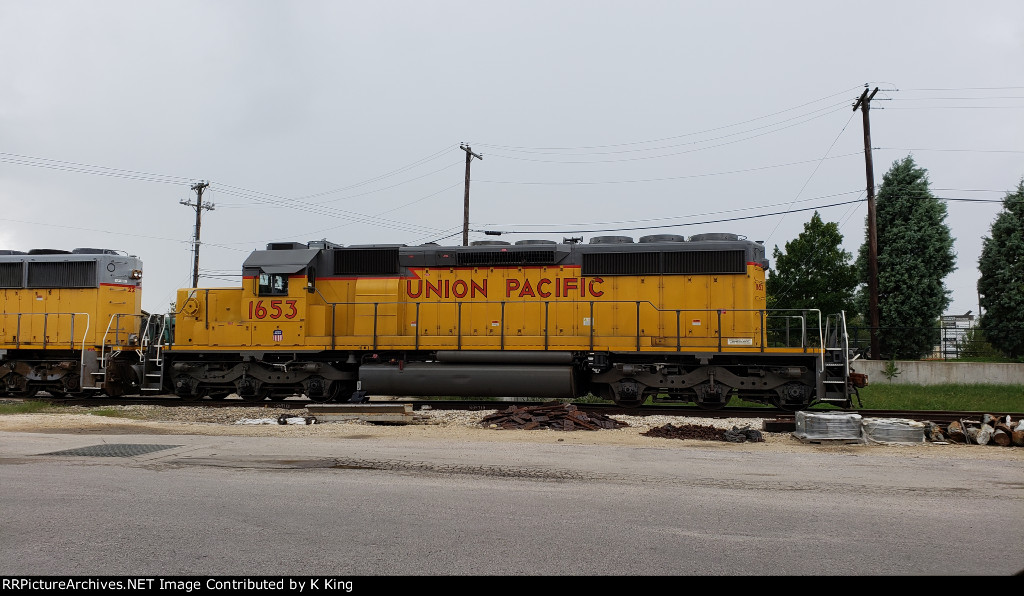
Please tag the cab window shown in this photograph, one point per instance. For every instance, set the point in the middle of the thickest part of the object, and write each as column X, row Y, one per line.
column 273, row 284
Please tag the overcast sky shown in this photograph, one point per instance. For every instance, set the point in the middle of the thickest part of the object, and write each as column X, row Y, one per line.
column 342, row 120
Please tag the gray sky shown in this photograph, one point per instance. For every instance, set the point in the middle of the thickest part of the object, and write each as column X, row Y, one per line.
column 342, row 121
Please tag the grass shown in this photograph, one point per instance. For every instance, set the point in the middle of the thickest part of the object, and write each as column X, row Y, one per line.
column 26, row 407
column 36, row 407
column 994, row 399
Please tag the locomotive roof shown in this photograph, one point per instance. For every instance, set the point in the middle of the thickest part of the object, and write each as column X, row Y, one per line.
column 78, row 268
column 281, row 260
column 604, row 255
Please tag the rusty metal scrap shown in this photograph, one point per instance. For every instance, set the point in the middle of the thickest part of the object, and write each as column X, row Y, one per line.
column 687, row 431
column 705, row 433
column 551, row 416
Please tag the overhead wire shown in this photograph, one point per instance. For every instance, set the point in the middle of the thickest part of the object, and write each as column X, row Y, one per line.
column 647, row 157
column 830, row 109
column 844, row 92
column 81, row 168
column 813, row 172
column 669, row 178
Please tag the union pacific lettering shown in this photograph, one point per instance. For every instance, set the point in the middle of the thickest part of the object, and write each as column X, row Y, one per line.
column 560, row 287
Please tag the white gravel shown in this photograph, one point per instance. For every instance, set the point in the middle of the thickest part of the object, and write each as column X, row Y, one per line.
column 449, row 425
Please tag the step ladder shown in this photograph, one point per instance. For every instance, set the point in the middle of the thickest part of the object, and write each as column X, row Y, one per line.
column 151, row 353
column 836, row 379
column 147, row 347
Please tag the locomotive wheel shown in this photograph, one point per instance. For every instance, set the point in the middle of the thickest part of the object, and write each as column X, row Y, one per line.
column 799, row 397
column 713, row 405
column 219, row 395
column 259, row 395
column 708, row 399
column 56, row 393
column 18, row 386
column 24, row 393
column 331, row 393
column 778, row 403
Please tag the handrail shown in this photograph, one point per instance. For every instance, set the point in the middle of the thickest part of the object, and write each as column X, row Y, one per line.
column 46, row 315
column 764, row 316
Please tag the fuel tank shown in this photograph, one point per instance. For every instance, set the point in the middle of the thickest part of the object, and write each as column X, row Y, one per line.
column 468, row 380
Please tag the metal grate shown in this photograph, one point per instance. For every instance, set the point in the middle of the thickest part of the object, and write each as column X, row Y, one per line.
column 11, row 275
column 507, row 257
column 705, row 262
column 113, row 450
column 684, row 262
column 366, row 261
column 73, row 274
column 621, row 263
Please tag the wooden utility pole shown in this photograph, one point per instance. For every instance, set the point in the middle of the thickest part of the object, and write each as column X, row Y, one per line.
column 864, row 103
column 198, row 187
column 465, row 207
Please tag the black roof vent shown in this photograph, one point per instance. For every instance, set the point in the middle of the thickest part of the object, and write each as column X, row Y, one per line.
column 663, row 238
column 489, row 243
column 611, row 240
column 286, row 246
column 48, row 251
column 506, row 257
column 524, row 242
column 366, row 261
column 713, row 236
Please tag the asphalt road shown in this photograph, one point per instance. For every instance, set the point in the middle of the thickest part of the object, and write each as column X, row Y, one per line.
column 254, row 506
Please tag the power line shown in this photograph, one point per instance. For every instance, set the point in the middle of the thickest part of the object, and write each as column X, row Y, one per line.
column 70, row 166
column 815, row 171
column 395, row 172
column 953, row 150
column 674, row 225
column 602, row 161
column 670, row 178
column 831, row 108
column 510, row 147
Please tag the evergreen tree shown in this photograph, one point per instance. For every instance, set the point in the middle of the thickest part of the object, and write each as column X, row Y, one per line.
column 1001, row 284
column 915, row 253
column 814, row 272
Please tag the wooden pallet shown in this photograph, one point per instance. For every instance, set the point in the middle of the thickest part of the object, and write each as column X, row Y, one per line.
column 380, row 413
column 819, row 441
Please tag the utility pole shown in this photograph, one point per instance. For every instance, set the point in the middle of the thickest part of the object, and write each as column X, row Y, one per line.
column 198, row 187
column 465, row 207
column 864, row 103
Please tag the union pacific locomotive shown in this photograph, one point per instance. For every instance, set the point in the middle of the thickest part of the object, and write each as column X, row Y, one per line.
column 667, row 318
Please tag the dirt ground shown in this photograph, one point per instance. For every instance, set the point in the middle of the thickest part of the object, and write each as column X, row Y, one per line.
column 451, row 426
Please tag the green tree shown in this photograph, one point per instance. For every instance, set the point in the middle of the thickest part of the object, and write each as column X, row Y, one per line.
column 1001, row 283
column 915, row 254
column 814, row 272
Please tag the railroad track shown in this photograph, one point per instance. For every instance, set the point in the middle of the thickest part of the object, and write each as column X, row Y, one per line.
column 295, row 403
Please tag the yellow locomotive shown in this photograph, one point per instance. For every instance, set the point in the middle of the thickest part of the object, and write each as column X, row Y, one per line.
column 64, row 315
column 669, row 318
